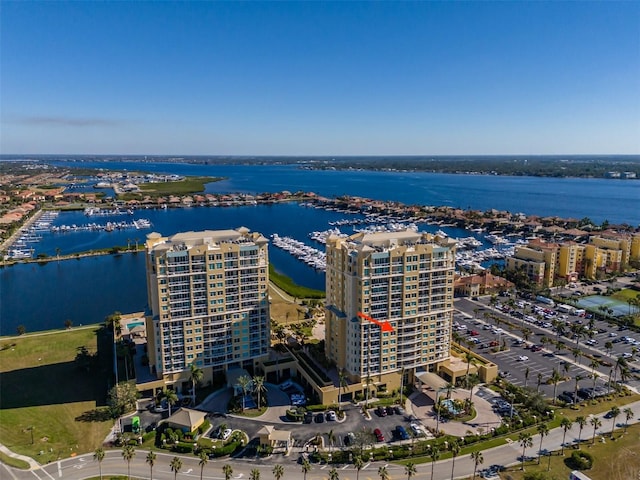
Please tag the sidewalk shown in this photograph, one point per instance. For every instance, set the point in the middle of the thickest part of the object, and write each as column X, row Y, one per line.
column 32, row 463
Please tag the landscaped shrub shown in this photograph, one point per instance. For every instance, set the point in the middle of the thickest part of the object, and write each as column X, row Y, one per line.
column 227, row 449
column 316, row 408
column 294, row 415
column 581, row 460
column 182, row 447
column 204, row 427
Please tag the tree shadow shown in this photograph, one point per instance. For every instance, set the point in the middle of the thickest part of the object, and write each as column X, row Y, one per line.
column 96, row 415
column 59, row 383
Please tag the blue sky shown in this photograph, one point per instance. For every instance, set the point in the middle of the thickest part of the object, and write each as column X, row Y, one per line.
column 316, row 78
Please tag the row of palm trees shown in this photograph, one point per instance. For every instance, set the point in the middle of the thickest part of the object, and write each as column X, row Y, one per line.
column 525, row 439
column 129, row 452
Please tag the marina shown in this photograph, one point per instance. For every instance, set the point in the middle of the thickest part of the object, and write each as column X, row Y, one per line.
column 46, row 227
column 309, row 255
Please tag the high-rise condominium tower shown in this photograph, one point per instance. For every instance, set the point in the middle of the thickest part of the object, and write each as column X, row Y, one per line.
column 405, row 278
column 208, row 301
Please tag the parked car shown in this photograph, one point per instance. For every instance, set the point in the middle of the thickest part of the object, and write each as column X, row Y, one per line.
column 399, row 410
column 320, row 418
column 226, row 433
column 381, row 411
column 379, row 436
column 415, row 428
column 401, row 433
column 331, row 416
column 308, row 417
column 349, row 439
column 390, row 410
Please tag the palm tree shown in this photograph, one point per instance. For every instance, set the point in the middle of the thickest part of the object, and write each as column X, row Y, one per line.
column 469, row 358
column 306, row 467
column 175, row 466
column 383, row 473
column 128, row 452
column 539, row 382
column 449, row 387
column 358, row 463
column 566, row 425
column 278, row 471
column 171, row 397
column 621, row 365
column 203, row 460
column 543, row 431
column 614, row 412
column 455, row 450
column 331, row 437
column 227, row 471
column 628, row 415
column 595, row 421
column 435, row 455
column 410, row 470
column 196, row 375
column 577, row 353
column 581, row 421
column 259, row 388
column 244, row 382
column 151, row 460
column 342, row 383
column 477, row 460
column 608, row 346
column 254, row 474
column 98, row 455
column 555, row 378
column 575, row 388
column 525, row 441
column 333, row 474
column 526, row 376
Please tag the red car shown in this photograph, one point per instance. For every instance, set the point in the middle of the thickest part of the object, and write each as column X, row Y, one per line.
column 474, row 333
column 536, row 348
column 379, row 436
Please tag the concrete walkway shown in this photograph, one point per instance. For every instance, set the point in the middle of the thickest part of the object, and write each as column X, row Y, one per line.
column 32, row 463
column 421, row 404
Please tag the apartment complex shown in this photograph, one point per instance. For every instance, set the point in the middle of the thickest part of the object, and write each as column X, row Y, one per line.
column 545, row 262
column 208, row 302
column 405, row 278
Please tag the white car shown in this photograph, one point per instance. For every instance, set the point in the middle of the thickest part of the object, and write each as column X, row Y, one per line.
column 331, row 416
column 613, row 334
column 226, row 434
column 522, row 358
column 415, row 428
column 627, row 355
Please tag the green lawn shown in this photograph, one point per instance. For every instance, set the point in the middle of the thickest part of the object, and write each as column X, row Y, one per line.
column 45, row 394
column 182, row 187
column 287, row 285
column 626, row 294
column 613, row 460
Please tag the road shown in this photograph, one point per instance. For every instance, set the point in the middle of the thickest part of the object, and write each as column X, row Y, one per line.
column 83, row 466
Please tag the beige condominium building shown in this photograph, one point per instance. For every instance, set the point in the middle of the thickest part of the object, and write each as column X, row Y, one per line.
column 546, row 263
column 208, row 302
column 405, row 278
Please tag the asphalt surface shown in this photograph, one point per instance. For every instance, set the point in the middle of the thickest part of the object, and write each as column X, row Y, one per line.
column 83, row 466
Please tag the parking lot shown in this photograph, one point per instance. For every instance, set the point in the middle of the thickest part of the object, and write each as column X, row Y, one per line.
column 512, row 363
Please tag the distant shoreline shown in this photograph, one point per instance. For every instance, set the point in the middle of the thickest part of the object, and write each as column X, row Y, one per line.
column 558, row 166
